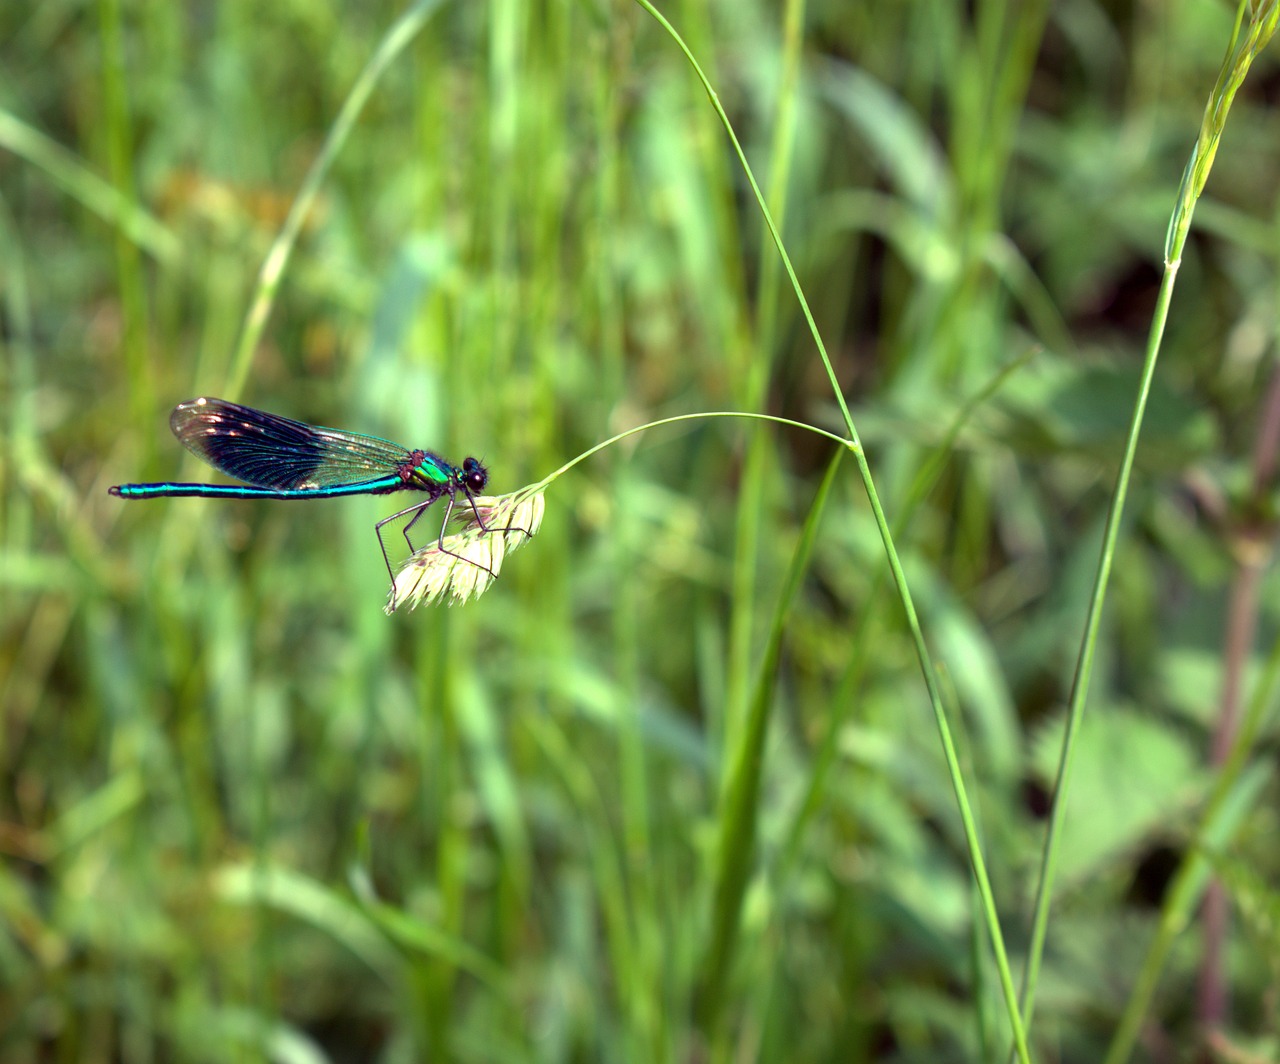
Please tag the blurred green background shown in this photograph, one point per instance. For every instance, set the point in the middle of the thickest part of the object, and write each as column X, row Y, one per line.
column 246, row 816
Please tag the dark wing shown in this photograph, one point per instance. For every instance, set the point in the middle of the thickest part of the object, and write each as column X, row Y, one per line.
column 269, row 451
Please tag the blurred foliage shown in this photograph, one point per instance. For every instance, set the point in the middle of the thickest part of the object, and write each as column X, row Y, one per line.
column 246, row 816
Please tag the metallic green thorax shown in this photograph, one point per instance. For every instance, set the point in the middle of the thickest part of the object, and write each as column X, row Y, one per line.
column 433, row 470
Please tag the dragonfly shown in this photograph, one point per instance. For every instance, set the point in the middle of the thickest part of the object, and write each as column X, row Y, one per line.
column 276, row 457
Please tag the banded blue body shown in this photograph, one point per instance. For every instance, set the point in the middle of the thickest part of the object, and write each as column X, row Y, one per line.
column 276, row 457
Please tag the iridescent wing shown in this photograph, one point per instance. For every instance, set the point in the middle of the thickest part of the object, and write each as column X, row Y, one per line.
column 270, row 451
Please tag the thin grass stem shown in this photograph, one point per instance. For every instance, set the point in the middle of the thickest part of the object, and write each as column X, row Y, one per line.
column 899, row 577
column 1258, row 30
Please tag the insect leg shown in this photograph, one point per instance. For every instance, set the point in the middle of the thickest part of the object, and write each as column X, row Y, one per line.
column 445, row 524
column 416, row 509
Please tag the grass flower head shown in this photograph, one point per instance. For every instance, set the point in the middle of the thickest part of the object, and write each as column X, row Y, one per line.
column 472, row 555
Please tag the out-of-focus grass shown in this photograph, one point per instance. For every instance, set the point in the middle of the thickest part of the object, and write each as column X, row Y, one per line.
column 247, row 816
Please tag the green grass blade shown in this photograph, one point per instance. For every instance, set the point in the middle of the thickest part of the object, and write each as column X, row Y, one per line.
column 1240, row 55
column 88, row 189
column 740, row 809
column 899, row 577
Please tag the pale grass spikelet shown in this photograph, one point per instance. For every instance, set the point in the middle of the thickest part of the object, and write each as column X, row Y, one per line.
column 472, row 555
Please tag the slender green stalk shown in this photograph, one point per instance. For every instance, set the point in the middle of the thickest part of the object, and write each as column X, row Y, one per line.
column 899, row 577
column 546, row 481
column 397, row 38
column 923, row 483
column 1088, row 647
column 1240, row 54
column 774, row 234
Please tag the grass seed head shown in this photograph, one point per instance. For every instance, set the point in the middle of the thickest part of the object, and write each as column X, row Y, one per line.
column 473, row 553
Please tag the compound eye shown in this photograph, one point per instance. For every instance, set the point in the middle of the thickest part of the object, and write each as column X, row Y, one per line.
column 474, row 475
